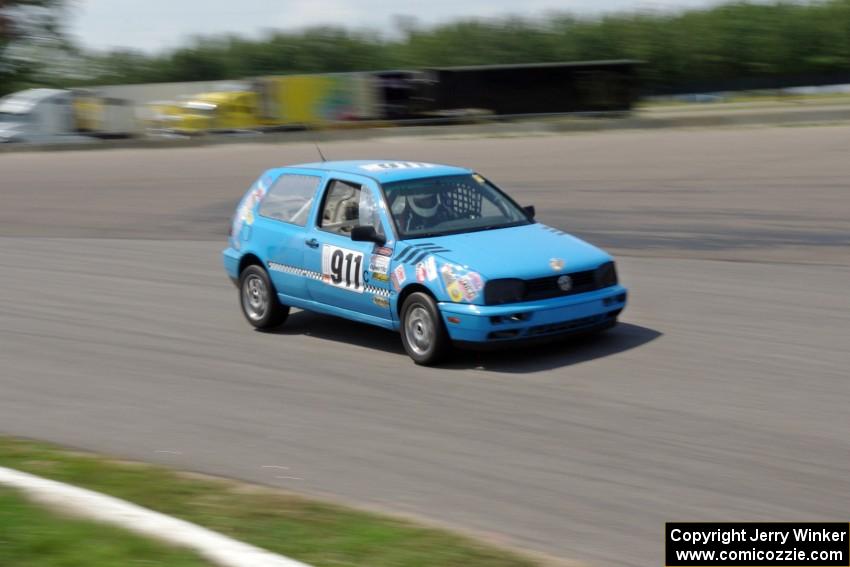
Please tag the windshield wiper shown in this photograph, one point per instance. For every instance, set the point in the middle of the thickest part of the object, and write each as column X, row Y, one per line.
column 436, row 233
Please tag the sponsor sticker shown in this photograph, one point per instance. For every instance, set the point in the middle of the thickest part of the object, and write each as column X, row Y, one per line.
column 468, row 293
column 382, row 250
column 379, row 264
column 421, row 272
column 399, row 277
column 431, row 268
column 455, row 291
column 461, row 285
column 380, row 277
column 251, row 202
column 475, row 280
column 380, row 301
column 396, row 165
column 245, row 212
column 448, row 275
column 471, row 284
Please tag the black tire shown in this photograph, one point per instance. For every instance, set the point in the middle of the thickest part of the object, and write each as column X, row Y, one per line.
column 258, row 299
column 422, row 331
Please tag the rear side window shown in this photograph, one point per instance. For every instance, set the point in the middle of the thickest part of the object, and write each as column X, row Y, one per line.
column 290, row 198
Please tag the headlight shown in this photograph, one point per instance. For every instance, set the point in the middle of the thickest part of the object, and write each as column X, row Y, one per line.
column 606, row 275
column 504, row 291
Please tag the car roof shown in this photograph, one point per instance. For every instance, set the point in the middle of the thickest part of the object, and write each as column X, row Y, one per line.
column 386, row 171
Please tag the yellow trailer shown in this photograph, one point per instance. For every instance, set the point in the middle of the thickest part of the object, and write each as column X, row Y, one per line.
column 293, row 101
column 314, row 100
column 101, row 116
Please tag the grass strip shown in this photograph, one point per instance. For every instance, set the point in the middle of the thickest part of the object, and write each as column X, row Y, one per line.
column 31, row 536
column 315, row 532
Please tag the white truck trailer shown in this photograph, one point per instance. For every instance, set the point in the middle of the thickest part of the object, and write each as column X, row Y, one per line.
column 57, row 115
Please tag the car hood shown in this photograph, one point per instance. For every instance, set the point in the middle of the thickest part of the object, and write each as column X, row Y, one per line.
column 529, row 251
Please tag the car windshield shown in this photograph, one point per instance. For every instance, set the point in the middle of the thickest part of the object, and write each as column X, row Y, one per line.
column 435, row 206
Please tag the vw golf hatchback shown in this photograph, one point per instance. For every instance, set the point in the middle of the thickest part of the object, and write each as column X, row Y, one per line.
column 436, row 252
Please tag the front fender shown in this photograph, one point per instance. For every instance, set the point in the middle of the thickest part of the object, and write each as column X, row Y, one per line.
column 447, row 282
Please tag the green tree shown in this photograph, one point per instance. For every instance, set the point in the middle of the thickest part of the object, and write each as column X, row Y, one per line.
column 29, row 30
column 730, row 41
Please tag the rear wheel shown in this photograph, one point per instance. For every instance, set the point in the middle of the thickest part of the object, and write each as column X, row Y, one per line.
column 258, row 299
column 422, row 331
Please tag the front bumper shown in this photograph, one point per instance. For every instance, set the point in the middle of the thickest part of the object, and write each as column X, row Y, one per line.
column 528, row 321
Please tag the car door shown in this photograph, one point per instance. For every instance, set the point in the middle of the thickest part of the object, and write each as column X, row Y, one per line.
column 353, row 276
column 280, row 229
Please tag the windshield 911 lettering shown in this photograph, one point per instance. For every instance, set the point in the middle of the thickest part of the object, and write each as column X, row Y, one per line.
column 436, row 252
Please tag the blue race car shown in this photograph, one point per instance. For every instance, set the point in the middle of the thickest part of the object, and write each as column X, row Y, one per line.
column 435, row 251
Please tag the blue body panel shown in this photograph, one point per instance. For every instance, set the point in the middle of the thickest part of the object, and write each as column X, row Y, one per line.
column 337, row 311
column 452, row 268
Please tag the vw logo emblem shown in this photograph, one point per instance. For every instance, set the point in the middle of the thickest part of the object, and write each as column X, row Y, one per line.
column 556, row 264
column 565, row 283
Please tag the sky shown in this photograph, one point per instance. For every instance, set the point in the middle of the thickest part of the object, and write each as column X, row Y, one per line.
column 156, row 25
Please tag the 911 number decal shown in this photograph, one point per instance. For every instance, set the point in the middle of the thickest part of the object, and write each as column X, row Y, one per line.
column 342, row 267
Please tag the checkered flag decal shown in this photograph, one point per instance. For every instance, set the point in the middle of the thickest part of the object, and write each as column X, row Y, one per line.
column 295, row 271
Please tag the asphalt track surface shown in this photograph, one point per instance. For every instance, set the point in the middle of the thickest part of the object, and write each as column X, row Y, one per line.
column 722, row 396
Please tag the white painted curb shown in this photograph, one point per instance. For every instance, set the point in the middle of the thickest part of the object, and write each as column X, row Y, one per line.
column 84, row 503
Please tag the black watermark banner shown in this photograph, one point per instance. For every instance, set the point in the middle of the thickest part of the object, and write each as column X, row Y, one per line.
column 766, row 544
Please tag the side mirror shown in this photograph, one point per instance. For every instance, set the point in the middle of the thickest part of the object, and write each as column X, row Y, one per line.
column 529, row 210
column 367, row 234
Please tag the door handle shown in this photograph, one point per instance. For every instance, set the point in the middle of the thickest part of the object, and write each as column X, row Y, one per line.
column 312, row 243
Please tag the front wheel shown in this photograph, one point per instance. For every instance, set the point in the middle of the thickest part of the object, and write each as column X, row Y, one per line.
column 422, row 331
column 259, row 300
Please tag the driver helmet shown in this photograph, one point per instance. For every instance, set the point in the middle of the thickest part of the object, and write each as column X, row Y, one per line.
column 399, row 206
column 425, row 205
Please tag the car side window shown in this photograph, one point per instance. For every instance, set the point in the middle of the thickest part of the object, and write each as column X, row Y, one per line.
column 290, row 198
column 341, row 211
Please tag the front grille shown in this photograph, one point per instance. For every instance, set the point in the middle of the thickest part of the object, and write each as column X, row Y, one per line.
column 545, row 288
column 513, row 290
